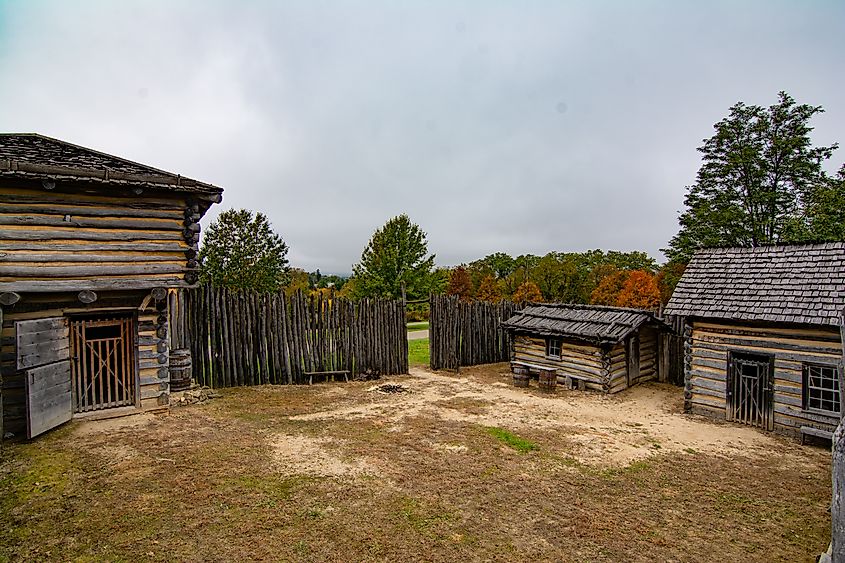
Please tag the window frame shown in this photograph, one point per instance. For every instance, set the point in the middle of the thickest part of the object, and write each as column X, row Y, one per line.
column 805, row 388
column 558, row 342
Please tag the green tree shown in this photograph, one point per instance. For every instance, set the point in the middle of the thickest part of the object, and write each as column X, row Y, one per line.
column 759, row 169
column 396, row 253
column 241, row 251
column 825, row 211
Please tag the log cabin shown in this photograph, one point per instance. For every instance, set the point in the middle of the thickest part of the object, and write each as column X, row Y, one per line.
column 92, row 249
column 763, row 342
column 606, row 349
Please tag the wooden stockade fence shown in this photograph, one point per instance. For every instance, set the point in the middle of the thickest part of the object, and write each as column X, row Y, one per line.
column 468, row 334
column 250, row 338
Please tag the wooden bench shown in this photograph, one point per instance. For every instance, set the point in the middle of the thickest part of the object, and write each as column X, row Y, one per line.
column 327, row 374
column 571, row 381
column 817, row 432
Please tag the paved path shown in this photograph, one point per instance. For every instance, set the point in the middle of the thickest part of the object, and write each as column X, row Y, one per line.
column 417, row 334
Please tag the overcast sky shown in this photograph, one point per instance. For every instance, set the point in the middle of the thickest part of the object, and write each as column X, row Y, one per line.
column 522, row 127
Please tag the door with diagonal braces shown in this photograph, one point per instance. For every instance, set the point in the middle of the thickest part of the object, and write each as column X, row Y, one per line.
column 103, row 362
column 750, row 390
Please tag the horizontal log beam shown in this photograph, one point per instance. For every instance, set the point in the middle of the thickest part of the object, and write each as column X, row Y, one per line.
column 35, row 258
column 72, row 233
column 115, row 284
column 95, row 223
column 137, row 268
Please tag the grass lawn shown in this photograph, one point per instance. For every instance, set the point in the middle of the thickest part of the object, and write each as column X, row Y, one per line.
column 460, row 467
column 418, row 353
column 417, row 326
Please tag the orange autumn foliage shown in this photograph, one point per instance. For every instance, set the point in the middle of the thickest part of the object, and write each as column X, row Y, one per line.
column 460, row 284
column 528, row 291
column 608, row 290
column 489, row 290
column 640, row 291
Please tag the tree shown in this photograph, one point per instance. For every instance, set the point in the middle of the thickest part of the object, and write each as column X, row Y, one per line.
column 639, row 291
column 826, row 211
column 460, row 284
column 528, row 291
column 396, row 253
column 241, row 251
column 298, row 281
column 489, row 290
column 759, row 169
column 667, row 278
column 608, row 290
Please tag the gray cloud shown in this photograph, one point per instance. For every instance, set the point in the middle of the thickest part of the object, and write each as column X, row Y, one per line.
column 521, row 127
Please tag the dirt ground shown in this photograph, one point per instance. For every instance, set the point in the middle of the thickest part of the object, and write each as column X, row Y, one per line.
column 452, row 467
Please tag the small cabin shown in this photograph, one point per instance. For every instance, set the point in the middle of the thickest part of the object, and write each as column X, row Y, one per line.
column 607, row 349
column 93, row 251
column 763, row 341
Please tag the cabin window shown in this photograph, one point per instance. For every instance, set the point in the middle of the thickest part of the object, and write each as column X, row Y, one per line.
column 821, row 388
column 553, row 347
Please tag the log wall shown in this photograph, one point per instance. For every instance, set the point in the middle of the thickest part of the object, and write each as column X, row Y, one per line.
column 52, row 241
column 249, row 338
column 152, row 376
column 576, row 359
column 707, row 366
column 468, row 334
column 617, row 368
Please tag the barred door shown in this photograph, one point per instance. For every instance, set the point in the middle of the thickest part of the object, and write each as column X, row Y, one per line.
column 750, row 390
column 103, row 366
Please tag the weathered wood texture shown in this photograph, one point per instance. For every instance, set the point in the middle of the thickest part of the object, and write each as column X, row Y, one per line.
column 42, row 354
column 672, row 350
column 249, row 338
column 578, row 360
column 51, row 241
column 149, row 336
column 837, row 507
column 468, row 334
column 710, row 343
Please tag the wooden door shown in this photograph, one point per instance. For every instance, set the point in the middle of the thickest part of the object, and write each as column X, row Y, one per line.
column 103, row 367
column 42, row 351
column 750, row 390
column 633, row 359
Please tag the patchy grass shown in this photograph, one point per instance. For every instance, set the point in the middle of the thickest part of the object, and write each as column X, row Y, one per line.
column 448, row 483
column 512, row 440
column 418, row 353
column 413, row 327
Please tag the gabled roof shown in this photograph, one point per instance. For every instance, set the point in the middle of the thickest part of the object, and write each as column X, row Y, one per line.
column 593, row 323
column 794, row 284
column 34, row 156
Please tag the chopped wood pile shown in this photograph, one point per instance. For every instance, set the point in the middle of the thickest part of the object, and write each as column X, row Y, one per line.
column 196, row 395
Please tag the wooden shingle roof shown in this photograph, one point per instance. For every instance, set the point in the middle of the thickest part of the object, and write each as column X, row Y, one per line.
column 36, row 157
column 593, row 323
column 794, row 284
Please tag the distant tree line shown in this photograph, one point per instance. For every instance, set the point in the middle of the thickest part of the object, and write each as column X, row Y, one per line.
column 623, row 279
column 761, row 182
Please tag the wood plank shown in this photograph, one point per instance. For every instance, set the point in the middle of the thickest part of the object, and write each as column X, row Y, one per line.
column 49, row 397
column 99, row 284
column 71, row 233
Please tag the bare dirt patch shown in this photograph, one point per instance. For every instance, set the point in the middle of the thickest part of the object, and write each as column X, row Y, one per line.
column 459, row 467
column 307, row 455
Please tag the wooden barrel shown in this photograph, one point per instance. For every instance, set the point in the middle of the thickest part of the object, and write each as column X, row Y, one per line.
column 180, row 369
column 547, row 380
column 520, row 377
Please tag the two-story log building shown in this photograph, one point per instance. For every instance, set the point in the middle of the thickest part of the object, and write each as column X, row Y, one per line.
column 90, row 245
